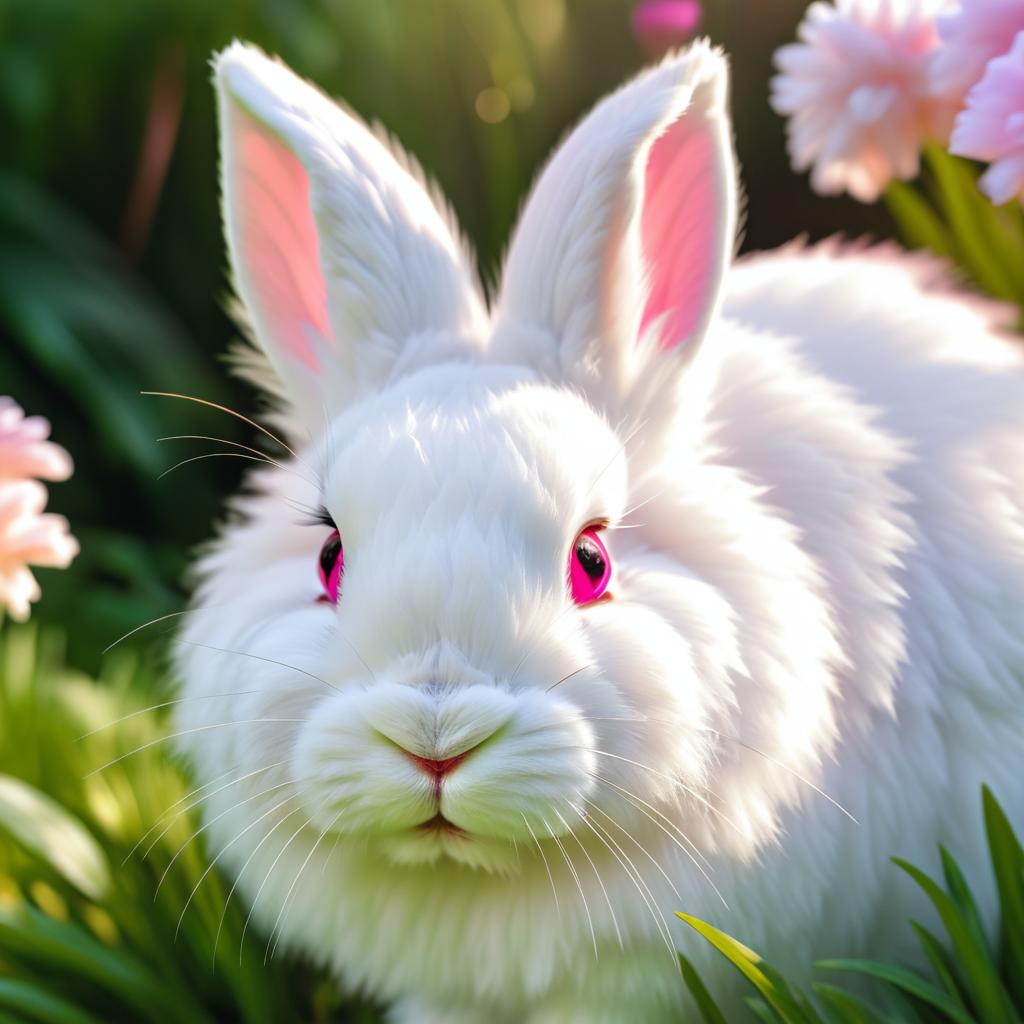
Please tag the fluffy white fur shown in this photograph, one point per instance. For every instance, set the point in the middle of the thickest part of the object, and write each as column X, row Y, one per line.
column 818, row 583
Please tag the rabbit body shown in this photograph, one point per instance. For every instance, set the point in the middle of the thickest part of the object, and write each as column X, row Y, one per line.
column 809, row 475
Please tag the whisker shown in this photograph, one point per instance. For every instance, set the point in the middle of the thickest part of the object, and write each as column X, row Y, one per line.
column 636, row 842
column 152, row 622
column 202, row 800
column 620, row 451
column 696, row 863
column 579, row 884
column 224, row 408
column 177, row 803
column 638, row 800
column 355, row 650
column 257, row 657
column 266, row 878
column 282, row 913
column 234, row 444
column 741, row 743
column 676, row 782
column 597, row 875
column 185, row 732
column 327, row 859
column 199, row 831
column 157, row 707
column 224, row 849
column 547, row 867
column 640, row 885
column 238, row 876
column 566, row 678
column 532, row 648
column 224, row 455
column 639, row 505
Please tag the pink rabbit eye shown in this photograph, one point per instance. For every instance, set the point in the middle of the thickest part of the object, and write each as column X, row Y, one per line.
column 331, row 566
column 590, row 568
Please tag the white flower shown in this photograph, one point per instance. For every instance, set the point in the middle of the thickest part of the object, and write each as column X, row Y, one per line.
column 857, row 93
column 27, row 535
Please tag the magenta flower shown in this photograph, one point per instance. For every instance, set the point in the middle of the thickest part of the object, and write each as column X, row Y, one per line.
column 663, row 24
column 27, row 535
column 857, row 94
column 991, row 127
column 971, row 36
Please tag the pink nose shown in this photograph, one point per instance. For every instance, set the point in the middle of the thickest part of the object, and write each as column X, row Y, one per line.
column 437, row 769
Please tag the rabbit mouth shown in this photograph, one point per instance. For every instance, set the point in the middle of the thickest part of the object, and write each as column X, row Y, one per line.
column 440, row 825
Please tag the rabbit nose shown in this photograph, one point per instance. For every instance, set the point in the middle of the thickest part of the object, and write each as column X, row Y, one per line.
column 437, row 768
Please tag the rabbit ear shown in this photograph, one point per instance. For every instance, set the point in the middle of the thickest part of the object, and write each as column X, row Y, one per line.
column 340, row 256
column 630, row 227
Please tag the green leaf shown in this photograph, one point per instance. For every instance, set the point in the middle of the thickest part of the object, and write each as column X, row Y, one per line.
column 48, row 830
column 762, row 1011
column 708, row 1009
column 752, row 967
column 844, row 1008
column 37, row 1005
column 981, row 241
column 56, row 947
column 941, row 962
column 985, row 988
column 918, row 223
column 961, row 895
column 1007, row 857
column 908, row 981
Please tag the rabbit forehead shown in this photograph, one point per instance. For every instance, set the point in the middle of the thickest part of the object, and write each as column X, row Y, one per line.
column 459, row 437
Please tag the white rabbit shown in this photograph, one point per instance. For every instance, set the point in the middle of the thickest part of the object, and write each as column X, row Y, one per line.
column 632, row 567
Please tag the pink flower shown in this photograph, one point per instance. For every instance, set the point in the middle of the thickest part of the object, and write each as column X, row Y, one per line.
column 663, row 24
column 971, row 36
column 857, row 95
column 992, row 125
column 27, row 535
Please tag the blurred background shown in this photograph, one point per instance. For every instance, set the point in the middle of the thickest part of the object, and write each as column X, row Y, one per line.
column 112, row 269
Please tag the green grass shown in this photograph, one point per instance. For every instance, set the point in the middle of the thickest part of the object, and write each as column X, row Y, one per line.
column 971, row 980
column 90, row 934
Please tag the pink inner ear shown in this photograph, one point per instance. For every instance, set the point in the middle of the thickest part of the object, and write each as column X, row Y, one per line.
column 680, row 229
column 278, row 245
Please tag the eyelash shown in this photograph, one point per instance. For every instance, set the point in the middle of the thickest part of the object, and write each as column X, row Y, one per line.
column 318, row 517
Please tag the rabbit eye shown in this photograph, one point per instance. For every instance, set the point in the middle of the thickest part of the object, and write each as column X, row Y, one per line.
column 590, row 568
column 331, row 566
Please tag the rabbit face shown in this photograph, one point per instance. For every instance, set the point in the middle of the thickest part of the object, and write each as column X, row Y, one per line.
column 459, row 701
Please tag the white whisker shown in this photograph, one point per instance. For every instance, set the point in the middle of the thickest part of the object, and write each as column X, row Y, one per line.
column 696, row 863
column 257, row 657
column 239, row 874
column 638, row 882
column 157, row 707
column 221, row 455
column 547, row 867
column 202, row 800
column 224, row 849
column 266, row 878
column 676, row 782
column 202, row 828
column 597, row 875
column 263, row 457
column 579, row 885
column 185, row 732
column 636, row 842
column 282, row 913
